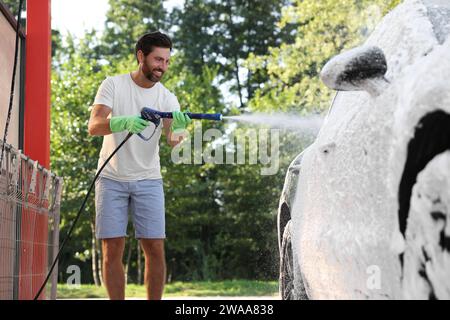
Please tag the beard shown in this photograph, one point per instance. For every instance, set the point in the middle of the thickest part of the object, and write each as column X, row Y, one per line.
column 151, row 73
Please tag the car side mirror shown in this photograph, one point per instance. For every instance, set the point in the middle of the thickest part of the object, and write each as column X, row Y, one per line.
column 362, row 68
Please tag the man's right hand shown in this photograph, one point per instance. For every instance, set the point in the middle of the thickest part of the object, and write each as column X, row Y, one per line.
column 133, row 124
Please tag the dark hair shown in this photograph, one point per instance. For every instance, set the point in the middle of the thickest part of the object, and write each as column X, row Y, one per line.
column 148, row 41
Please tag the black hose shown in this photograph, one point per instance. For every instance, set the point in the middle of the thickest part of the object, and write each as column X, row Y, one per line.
column 13, row 82
column 72, row 227
column 69, row 233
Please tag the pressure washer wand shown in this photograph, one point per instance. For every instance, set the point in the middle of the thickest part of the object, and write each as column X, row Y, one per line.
column 151, row 114
column 155, row 117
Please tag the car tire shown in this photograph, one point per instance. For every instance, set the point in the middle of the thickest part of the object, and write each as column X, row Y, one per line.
column 427, row 250
column 291, row 287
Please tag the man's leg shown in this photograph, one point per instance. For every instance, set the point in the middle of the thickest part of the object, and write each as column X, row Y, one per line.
column 155, row 267
column 111, row 206
column 113, row 272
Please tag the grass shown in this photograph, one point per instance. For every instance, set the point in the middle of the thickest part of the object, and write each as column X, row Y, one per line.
column 229, row 288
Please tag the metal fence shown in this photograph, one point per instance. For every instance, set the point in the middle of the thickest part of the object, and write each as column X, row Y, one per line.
column 30, row 198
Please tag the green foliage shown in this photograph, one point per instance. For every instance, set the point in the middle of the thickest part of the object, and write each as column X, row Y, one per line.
column 224, row 33
column 74, row 153
column 221, row 218
column 325, row 28
column 126, row 21
column 392, row 5
column 13, row 6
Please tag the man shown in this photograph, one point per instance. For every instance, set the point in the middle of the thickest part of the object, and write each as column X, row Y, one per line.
column 132, row 180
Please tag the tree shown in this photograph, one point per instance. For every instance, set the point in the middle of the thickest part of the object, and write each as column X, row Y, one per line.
column 74, row 154
column 220, row 217
column 13, row 6
column 324, row 29
column 224, row 33
column 191, row 209
column 126, row 21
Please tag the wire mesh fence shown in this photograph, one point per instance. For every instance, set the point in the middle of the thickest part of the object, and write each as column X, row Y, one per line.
column 30, row 198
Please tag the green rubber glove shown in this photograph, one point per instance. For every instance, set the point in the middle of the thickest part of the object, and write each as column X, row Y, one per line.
column 133, row 124
column 180, row 121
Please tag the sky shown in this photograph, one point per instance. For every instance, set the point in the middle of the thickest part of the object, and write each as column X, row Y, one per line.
column 72, row 15
column 76, row 16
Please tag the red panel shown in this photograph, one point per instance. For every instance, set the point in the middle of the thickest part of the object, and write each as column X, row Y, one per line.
column 34, row 229
column 37, row 84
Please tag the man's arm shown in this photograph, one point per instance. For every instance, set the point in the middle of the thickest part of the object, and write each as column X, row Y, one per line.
column 99, row 122
column 171, row 139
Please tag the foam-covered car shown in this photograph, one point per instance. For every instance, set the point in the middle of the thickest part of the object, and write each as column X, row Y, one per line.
column 365, row 209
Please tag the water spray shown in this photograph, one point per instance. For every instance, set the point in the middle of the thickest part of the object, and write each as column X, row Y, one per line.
column 285, row 121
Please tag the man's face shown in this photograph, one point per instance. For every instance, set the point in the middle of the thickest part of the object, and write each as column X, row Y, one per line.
column 155, row 64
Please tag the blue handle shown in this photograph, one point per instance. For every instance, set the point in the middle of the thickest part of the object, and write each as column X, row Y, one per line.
column 150, row 115
column 205, row 116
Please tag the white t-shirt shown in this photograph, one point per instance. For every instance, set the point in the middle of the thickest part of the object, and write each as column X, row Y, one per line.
column 137, row 159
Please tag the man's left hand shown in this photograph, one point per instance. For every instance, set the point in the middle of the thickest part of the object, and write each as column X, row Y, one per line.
column 180, row 121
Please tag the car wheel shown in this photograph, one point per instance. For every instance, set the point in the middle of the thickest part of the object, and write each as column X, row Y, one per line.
column 427, row 252
column 287, row 265
column 291, row 281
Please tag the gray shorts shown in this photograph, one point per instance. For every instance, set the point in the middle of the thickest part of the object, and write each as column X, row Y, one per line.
column 145, row 200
